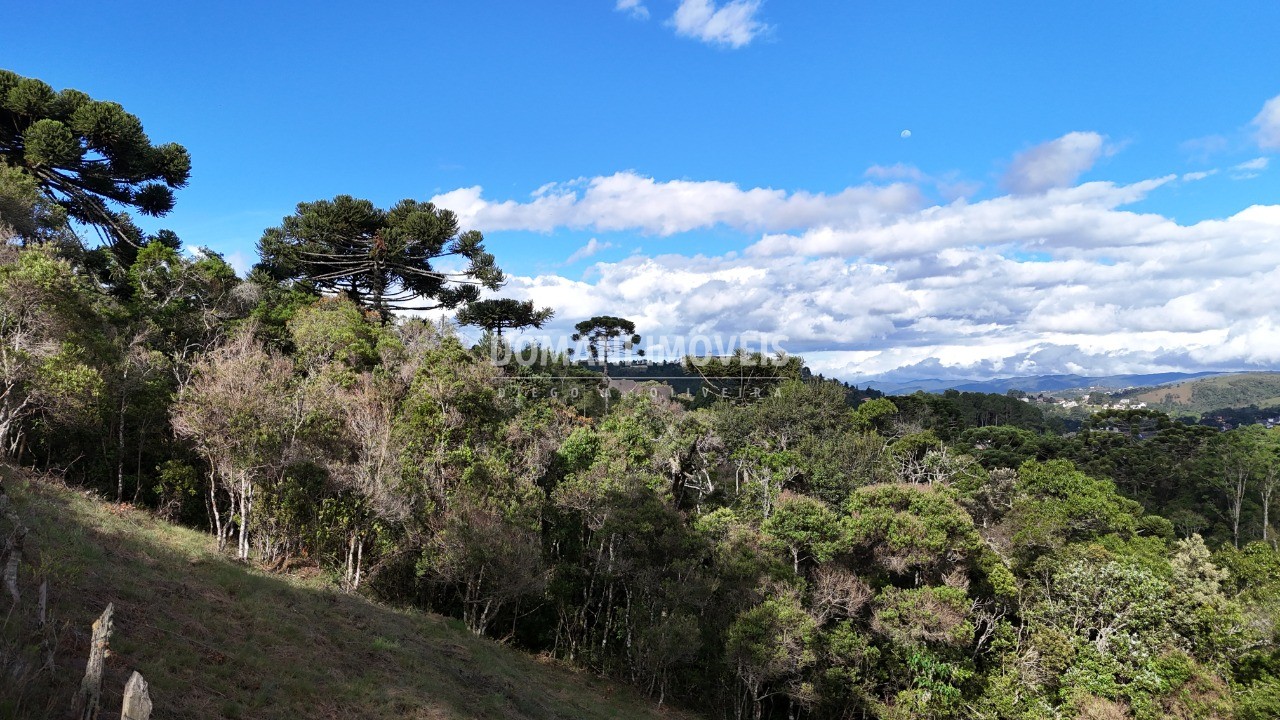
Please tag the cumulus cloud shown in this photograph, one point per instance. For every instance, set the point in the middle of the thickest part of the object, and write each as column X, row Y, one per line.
column 1267, row 125
column 592, row 247
column 1066, row 281
column 635, row 8
column 733, row 24
column 629, row 201
column 1057, row 218
column 1053, row 164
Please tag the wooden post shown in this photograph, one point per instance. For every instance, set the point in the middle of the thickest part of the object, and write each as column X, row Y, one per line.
column 137, row 701
column 90, row 696
column 13, row 553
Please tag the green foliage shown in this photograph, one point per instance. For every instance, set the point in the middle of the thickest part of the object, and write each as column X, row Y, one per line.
column 1002, row 445
column 336, row 330
column 1058, row 504
column 874, row 414
column 87, row 155
column 605, row 334
column 1260, row 701
column 805, row 528
column 52, row 348
column 782, row 555
column 27, row 214
column 501, row 314
column 916, row 532
column 923, row 617
column 382, row 259
column 744, row 375
column 771, row 644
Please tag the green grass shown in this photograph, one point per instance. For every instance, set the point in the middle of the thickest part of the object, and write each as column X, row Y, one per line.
column 217, row 639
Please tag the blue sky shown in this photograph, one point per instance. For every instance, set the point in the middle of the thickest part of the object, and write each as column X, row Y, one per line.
column 741, row 167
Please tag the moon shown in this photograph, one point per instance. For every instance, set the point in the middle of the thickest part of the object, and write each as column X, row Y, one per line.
column 905, row 134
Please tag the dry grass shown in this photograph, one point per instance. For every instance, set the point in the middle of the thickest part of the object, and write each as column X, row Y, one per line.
column 217, row 639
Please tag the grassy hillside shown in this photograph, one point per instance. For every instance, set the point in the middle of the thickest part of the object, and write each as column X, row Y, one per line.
column 1194, row 397
column 216, row 639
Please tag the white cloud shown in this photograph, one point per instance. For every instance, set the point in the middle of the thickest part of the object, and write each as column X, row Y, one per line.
column 1202, row 149
column 635, row 8
column 1249, row 169
column 951, row 185
column 1065, row 217
column 592, row 247
column 1200, row 175
column 1064, row 281
column 733, row 24
column 239, row 262
column 628, row 201
column 1267, row 124
column 1053, row 164
column 897, row 171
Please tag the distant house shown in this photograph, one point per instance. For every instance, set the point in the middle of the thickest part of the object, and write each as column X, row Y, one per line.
column 627, row 386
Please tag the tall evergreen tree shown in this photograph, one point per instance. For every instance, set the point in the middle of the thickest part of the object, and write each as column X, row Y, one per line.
column 382, row 259
column 90, row 156
column 503, row 314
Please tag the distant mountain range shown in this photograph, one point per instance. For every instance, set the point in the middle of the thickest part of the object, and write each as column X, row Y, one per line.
column 1031, row 383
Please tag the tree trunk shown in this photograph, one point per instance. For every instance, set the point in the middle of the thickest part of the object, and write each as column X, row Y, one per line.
column 246, row 507
column 351, row 559
column 1268, row 489
column 120, row 451
column 608, row 391
column 1237, row 505
column 137, row 467
column 11, row 415
column 1235, row 482
column 217, row 516
column 359, row 562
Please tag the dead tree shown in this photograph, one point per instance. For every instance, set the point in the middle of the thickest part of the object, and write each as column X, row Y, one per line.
column 89, row 698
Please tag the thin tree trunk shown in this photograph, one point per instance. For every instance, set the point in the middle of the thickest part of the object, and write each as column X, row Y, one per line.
column 137, row 467
column 120, row 451
column 1268, row 489
column 359, row 563
column 246, row 507
column 217, row 516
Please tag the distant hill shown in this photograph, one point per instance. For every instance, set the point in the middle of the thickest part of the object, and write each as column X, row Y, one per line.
column 1195, row 397
column 1030, row 383
column 688, row 382
column 219, row 639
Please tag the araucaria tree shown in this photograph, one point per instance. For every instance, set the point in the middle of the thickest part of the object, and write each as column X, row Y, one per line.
column 88, row 156
column 605, row 334
column 503, row 314
column 382, row 259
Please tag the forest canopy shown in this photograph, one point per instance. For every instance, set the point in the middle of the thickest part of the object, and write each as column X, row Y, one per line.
column 798, row 552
